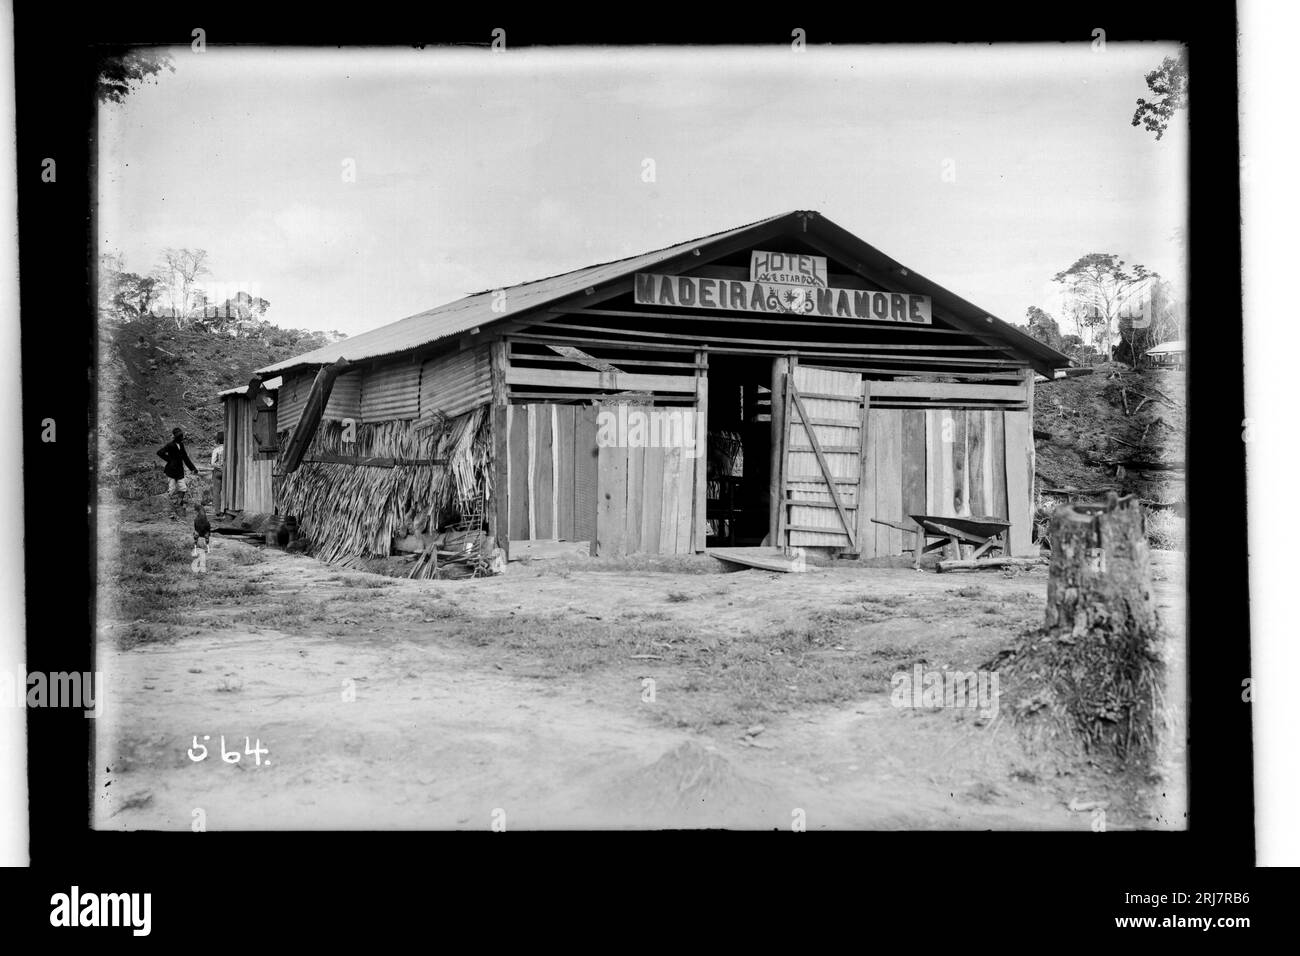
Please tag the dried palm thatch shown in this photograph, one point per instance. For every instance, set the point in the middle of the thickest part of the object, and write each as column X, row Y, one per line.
column 352, row 511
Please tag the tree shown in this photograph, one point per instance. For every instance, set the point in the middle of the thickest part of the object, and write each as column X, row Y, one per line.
column 1169, row 83
column 1159, row 319
column 177, row 272
column 124, row 296
column 119, row 71
column 1101, row 284
column 1043, row 327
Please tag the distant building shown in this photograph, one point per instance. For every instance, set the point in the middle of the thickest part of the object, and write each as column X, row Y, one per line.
column 1167, row 355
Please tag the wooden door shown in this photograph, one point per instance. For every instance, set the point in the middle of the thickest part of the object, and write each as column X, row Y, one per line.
column 823, row 451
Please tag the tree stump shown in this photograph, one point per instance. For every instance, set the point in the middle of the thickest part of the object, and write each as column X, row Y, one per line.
column 1099, row 576
column 1095, row 669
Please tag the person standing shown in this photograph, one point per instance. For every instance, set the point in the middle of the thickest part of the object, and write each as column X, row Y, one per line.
column 218, row 465
column 176, row 460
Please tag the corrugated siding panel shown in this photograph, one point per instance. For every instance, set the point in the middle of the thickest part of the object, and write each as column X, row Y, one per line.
column 391, row 393
column 292, row 398
column 345, row 397
column 453, row 384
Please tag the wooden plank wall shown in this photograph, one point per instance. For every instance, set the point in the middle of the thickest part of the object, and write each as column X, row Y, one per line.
column 551, row 468
column 246, row 479
column 646, row 497
column 564, row 487
column 943, row 461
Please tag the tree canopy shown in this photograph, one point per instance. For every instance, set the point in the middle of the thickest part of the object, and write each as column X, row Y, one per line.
column 1098, row 287
column 121, row 71
column 1169, row 84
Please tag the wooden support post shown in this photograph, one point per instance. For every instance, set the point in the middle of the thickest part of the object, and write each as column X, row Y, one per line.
column 317, row 399
column 776, row 481
column 1033, row 448
column 701, row 449
column 500, row 451
column 866, row 475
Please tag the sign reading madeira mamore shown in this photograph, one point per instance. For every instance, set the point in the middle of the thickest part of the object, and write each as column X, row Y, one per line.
column 734, row 295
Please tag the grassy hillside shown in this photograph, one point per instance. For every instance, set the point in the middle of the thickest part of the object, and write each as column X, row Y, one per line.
column 154, row 377
column 1094, row 442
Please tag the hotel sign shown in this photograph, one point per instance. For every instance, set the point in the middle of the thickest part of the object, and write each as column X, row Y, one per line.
column 783, row 268
column 782, row 298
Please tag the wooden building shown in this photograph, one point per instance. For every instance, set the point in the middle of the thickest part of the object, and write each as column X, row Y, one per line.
column 783, row 381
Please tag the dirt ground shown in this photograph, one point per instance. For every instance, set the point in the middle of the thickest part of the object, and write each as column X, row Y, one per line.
column 523, row 699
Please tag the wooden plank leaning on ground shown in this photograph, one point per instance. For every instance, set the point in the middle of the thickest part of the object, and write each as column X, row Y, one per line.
column 1019, row 502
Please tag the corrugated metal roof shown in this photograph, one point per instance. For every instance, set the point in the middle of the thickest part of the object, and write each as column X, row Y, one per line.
column 270, row 384
column 476, row 310
column 1175, row 346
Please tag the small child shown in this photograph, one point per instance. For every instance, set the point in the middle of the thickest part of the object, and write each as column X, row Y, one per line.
column 202, row 539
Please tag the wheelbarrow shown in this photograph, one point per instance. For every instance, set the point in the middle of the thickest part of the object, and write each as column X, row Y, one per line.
column 982, row 532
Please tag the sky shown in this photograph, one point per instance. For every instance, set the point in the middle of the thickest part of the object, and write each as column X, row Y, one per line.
column 987, row 168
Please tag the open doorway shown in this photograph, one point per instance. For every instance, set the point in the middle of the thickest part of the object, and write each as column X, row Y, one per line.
column 739, row 450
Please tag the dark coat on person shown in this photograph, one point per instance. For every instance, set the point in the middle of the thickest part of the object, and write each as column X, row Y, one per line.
column 176, row 458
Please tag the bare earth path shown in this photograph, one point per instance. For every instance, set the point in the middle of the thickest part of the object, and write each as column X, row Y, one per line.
column 380, row 720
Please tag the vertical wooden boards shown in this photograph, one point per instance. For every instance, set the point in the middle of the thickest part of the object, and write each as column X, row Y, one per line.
column 867, row 483
column 543, row 473
column 228, row 462
column 652, row 501
column 776, row 477
column 564, row 483
column 946, row 493
column 1033, row 446
column 686, row 473
column 517, row 416
column 611, row 498
column 500, row 364
column 977, row 466
column 670, row 500
column 960, row 468
column 584, row 468
column 1019, row 449
column 501, row 476
column 940, row 429
column 530, row 441
column 998, row 465
column 701, row 478
column 555, row 473
column 913, row 429
column 864, row 500
column 931, row 453
column 889, row 478
column 635, row 498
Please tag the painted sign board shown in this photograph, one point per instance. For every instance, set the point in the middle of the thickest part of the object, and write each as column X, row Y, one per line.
column 734, row 295
column 783, row 268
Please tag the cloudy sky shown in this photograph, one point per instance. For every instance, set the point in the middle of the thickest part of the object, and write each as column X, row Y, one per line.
column 475, row 170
